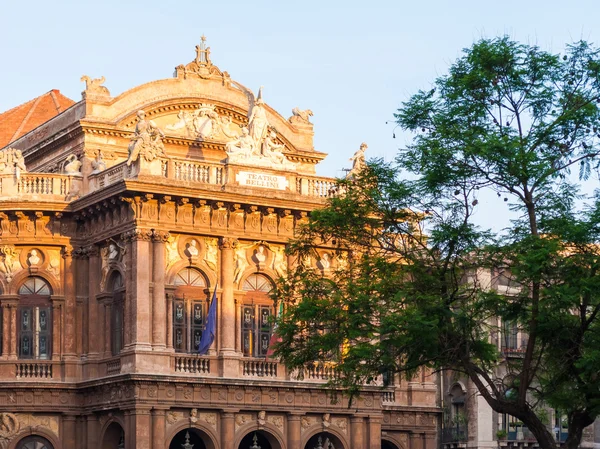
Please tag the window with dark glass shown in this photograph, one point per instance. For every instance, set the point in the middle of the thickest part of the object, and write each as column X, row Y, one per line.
column 117, row 313
column 510, row 332
column 34, row 316
column 256, row 316
column 189, row 309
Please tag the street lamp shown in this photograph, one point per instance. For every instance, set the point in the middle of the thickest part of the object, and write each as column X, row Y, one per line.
column 255, row 441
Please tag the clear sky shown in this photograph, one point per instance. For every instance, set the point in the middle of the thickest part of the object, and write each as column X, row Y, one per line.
column 352, row 62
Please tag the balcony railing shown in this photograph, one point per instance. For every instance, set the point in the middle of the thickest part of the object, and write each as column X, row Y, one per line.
column 258, row 368
column 33, row 370
column 321, row 372
column 455, row 434
column 113, row 367
column 388, row 397
column 192, row 364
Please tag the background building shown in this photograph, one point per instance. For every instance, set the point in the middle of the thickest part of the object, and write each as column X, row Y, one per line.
column 120, row 216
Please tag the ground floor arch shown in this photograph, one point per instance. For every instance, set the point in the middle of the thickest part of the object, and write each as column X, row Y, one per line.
column 324, row 440
column 259, row 439
column 114, row 437
column 385, row 444
column 191, row 438
column 34, row 442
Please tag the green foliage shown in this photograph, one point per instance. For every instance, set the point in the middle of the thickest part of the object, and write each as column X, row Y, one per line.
column 411, row 285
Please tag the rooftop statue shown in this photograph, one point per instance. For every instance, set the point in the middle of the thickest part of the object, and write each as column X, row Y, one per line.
column 94, row 86
column 300, row 115
column 358, row 161
column 72, row 165
column 12, row 162
column 257, row 119
column 98, row 164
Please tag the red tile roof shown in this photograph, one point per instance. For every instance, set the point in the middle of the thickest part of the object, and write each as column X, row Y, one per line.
column 18, row 121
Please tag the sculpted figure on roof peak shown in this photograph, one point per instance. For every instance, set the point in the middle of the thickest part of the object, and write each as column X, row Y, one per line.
column 95, row 86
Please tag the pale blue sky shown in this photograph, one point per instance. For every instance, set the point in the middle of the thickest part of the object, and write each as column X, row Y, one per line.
column 351, row 62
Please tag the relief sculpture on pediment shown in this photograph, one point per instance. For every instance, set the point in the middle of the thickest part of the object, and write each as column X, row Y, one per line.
column 201, row 123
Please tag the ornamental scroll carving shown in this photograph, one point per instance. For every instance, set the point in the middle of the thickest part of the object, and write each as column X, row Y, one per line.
column 9, row 425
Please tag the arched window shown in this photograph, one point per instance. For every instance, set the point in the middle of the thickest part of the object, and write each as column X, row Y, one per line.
column 256, row 316
column 35, row 319
column 117, row 313
column 34, row 442
column 189, row 309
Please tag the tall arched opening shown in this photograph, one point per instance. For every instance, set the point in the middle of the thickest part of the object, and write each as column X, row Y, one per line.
column 114, row 437
column 388, row 445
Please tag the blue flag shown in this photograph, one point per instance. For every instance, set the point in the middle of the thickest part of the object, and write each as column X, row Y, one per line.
column 208, row 336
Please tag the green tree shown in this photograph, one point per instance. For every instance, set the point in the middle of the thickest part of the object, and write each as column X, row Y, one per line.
column 408, row 291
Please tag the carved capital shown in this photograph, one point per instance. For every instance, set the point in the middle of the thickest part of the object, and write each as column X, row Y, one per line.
column 91, row 251
column 160, row 236
column 137, row 234
column 80, row 253
column 67, row 252
column 228, row 243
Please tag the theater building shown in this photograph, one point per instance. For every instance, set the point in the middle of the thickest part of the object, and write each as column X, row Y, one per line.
column 120, row 218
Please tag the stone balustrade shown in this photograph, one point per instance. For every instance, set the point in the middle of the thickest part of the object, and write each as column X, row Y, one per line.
column 113, row 367
column 33, row 370
column 258, row 368
column 40, row 186
column 316, row 187
column 320, row 372
column 388, row 397
column 202, row 172
column 192, row 364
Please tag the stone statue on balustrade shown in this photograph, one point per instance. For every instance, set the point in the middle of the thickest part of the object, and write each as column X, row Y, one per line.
column 269, row 155
column 146, row 141
column 72, row 166
column 358, row 161
column 98, row 164
column 242, row 147
column 258, row 124
column 12, row 162
column 272, row 150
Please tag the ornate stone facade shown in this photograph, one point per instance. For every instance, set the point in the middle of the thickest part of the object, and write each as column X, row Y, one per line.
column 121, row 218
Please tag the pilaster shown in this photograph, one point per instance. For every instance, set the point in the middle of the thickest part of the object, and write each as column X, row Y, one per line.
column 358, row 437
column 158, row 428
column 138, row 291
column 70, row 304
column 95, row 336
column 229, row 360
column 227, row 430
column 293, row 431
column 159, row 309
